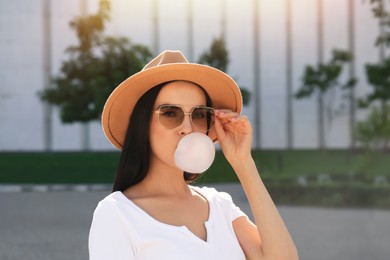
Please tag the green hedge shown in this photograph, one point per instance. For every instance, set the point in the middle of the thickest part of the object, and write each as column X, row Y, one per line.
column 350, row 176
column 344, row 195
column 66, row 167
column 100, row 167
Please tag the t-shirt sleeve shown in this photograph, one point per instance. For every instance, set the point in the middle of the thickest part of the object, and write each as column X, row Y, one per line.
column 231, row 209
column 234, row 211
column 109, row 236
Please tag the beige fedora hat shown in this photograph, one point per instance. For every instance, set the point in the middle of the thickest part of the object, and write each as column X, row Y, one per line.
column 168, row 66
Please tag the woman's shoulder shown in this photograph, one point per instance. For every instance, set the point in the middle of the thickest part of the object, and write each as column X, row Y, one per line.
column 111, row 201
column 221, row 202
column 112, row 198
column 212, row 193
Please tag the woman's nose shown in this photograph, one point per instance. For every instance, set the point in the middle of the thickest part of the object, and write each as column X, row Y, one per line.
column 186, row 127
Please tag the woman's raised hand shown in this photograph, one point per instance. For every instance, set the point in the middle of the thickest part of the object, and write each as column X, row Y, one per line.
column 234, row 134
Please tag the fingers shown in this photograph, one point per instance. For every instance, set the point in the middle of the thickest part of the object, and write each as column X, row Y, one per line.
column 225, row 113
column 226, row 116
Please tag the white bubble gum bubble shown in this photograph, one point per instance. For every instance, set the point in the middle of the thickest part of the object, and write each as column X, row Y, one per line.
column 195, row 153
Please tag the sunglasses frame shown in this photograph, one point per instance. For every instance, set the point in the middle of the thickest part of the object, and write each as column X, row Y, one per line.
column 158, row 111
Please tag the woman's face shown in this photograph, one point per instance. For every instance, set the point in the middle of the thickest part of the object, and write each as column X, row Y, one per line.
column 164, row 141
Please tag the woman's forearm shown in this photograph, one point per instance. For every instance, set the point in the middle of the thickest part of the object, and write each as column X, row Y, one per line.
column 276, row 240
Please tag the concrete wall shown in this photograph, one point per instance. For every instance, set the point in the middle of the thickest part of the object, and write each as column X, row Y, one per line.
column 22, row 59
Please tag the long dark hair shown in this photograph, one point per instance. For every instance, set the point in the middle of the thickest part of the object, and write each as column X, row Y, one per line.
column 135, row 156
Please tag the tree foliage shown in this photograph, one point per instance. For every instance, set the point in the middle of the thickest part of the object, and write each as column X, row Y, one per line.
column 89, row 28
column 95, row 66
column 374, row 132
column 323, row 79
column 379, row 11
column 218, row 57
column 378, row 75
column 325, row 76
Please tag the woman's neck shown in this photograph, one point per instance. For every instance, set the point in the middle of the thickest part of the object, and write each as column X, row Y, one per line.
column 163, row 180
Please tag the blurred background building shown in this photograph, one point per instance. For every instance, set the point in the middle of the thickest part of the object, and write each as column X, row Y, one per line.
column 269, row 44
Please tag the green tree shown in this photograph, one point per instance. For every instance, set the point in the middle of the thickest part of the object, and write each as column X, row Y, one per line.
column 378, row 73
column 374, row 132
column 218, row 57
column 324, row 79
column 379, row 12
column 379, row 79
column 95, row 66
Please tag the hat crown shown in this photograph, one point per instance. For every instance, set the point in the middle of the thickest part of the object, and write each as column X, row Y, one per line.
column 166, row 57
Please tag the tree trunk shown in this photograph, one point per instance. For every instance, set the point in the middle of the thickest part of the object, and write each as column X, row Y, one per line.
column 321, row 122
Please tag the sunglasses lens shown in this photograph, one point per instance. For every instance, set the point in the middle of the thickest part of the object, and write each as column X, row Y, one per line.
column 203, row 118
column 171, row 116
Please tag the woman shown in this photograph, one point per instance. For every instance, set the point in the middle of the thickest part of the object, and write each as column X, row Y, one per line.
column 153, row 212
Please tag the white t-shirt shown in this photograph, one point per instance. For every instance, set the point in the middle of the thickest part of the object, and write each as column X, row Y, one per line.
column 122, row 230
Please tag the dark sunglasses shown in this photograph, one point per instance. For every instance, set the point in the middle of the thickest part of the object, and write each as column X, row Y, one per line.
column 172, row 116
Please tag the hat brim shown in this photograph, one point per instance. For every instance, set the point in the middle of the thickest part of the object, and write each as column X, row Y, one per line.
column 221, row 88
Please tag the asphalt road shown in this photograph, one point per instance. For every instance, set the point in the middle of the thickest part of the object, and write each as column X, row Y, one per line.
column 55, row 225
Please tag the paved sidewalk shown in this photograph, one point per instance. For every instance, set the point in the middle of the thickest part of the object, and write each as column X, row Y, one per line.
column 54, row 226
